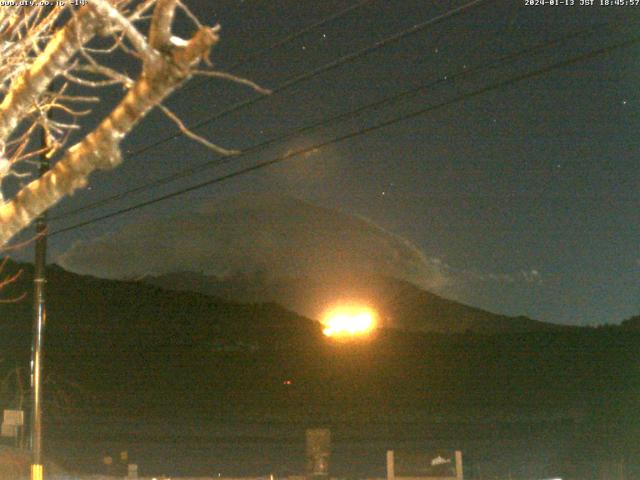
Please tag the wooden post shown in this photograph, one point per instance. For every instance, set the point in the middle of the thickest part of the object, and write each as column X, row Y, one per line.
column 459, row 473
column 391, row 471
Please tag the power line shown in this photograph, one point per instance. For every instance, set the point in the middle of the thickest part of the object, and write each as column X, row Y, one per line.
column 361, row 132
column 532, row 50
column 283, row 41
column 305, row 76
column 287, row 84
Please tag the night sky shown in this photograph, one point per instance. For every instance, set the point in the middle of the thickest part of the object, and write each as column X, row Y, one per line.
column 526, row 195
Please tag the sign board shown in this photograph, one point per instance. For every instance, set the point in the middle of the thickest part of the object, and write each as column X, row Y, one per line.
column 13, row 417
column 438, row 464
column 12, row 420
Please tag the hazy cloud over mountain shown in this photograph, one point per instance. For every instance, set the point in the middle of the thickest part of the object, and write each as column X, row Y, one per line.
column 271, row 235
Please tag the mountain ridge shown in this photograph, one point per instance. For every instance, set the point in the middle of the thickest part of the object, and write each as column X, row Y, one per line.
column 400, row 303
column 155, row 361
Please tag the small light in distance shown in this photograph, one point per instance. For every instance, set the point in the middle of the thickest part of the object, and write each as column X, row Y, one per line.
column 349, row 322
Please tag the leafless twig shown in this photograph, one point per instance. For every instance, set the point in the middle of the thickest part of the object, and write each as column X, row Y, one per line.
column 194, row 136
column 233, row 78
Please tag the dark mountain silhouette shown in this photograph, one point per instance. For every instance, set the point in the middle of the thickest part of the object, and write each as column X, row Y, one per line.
column 632, row 323
column 401, row 304
column 192, row 384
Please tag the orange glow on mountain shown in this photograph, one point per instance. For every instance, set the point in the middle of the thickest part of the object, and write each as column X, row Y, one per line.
column 349, row 321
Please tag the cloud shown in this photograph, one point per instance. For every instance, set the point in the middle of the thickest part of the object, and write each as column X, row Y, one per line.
column 466, row 276
column 272, row 235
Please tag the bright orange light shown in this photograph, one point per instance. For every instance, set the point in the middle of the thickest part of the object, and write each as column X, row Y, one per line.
column 349, row 321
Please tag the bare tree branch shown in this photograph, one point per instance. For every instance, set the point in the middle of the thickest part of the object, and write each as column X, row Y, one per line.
column 233, row 78
column 194, row 136
column 100, row 149
column 40, row 45
column 112, row 14
column 160, row 32
column 8, row 280
column 50, row 63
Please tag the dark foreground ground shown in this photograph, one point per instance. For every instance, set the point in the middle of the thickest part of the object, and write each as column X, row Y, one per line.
column 191, row 385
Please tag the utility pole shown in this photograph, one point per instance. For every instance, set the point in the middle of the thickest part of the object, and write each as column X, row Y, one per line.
column 39, row 321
